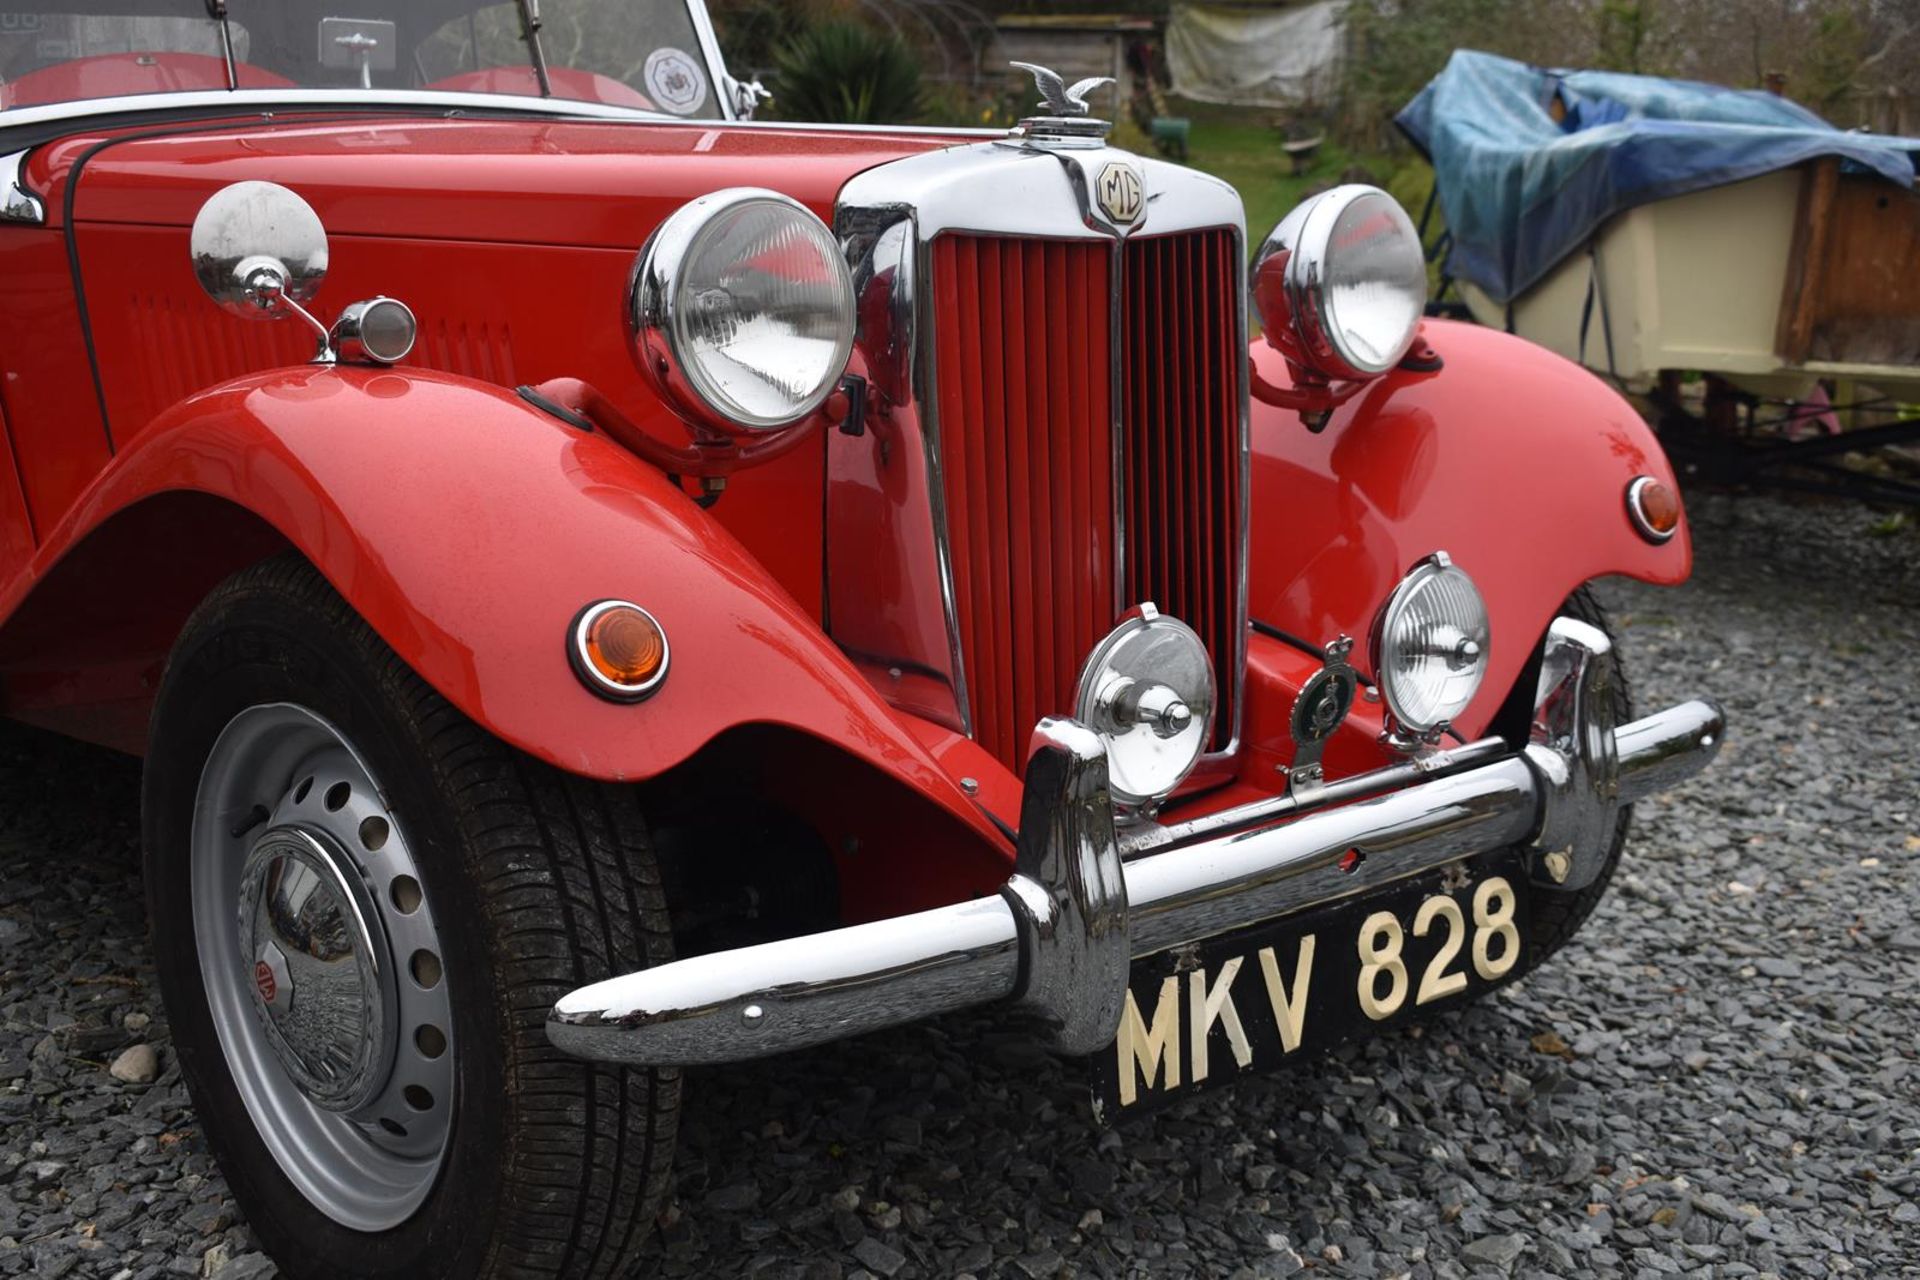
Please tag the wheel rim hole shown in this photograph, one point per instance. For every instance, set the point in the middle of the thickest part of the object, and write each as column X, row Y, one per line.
column 300, row 792
column 417, row 1098
column 373, row 835
column 430, row 1040
column 406, row 895
column 393, row 1127
column 337, row 796
column 426, row 969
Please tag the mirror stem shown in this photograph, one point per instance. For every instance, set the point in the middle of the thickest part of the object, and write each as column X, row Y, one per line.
column 275, row 290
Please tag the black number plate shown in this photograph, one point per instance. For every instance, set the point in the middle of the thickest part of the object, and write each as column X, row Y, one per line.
column 1202, row 1016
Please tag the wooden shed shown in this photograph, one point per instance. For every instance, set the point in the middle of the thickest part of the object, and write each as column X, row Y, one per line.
column 1076, row 46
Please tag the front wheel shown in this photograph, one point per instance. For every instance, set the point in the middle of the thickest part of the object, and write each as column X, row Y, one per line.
column 362, row 907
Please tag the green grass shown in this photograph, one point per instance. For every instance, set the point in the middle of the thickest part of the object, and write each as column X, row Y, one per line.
column 1248, row 154
column 1243, row 147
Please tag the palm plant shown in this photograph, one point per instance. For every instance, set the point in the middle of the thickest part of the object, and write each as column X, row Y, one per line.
column 844, row 73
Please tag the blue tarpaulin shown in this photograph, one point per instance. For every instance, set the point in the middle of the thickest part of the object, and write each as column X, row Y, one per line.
column 1521, row 190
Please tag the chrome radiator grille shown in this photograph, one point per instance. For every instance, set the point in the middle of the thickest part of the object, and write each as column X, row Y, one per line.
column 1085, row 469
column 1180, row 416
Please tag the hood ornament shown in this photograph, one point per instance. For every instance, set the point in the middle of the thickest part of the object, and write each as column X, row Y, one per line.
column 1064, row 111
column 1056, row 96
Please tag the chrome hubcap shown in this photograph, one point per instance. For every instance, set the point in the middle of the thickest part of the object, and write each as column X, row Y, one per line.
column 322, row 966
column 322, row 971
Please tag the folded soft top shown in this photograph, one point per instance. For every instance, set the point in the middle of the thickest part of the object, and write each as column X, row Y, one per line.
column 1521, row 189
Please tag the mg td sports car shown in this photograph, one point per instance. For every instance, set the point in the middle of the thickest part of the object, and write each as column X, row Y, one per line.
column 603, row 586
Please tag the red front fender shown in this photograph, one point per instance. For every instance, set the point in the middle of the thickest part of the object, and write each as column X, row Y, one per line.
column 1512, row 460
column 469, row 529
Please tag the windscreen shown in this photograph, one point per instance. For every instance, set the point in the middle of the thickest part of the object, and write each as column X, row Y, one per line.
column 643, row 54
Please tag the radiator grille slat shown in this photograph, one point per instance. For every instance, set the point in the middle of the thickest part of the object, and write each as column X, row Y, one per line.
column 1024, row 386
column 1181, row 440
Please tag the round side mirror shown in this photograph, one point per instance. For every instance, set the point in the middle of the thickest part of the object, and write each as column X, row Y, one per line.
column 256, row 247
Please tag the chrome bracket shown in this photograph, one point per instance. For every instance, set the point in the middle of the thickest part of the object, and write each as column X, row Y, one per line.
column 1320, row 709
column 17, row 204
column 746, row 96
column 1573, row 751
column 1068, row 891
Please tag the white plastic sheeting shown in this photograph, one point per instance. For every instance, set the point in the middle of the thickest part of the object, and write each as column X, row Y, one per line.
column 1255, row 57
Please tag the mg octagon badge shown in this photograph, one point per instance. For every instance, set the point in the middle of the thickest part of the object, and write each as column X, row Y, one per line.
column 1120, row 192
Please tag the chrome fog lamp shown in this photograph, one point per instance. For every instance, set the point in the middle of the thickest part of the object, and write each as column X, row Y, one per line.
column 1430, row 645
column 1148, row 690
column 741, row 310
column 1341, row 283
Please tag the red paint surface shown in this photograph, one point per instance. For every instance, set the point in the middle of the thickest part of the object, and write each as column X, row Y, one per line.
column 549, row 217
column 16, row 529
column 468, row 530
column 574, row 182
column 1512, row 460
column 52, row 415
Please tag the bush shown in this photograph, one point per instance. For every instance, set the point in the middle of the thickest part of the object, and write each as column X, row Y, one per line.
column 753, row 31
column 843, row 73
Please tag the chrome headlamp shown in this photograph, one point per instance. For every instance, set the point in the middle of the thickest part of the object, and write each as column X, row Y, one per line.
column 1341, row 283
column 1430, row 645
column 1148, row 690
column 741, row 310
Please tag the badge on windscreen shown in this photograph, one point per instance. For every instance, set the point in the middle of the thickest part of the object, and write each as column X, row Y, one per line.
column 675, row 81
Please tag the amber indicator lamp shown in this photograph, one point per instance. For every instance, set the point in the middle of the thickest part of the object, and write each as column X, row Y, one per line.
column 618, row 650
column 1654, row 508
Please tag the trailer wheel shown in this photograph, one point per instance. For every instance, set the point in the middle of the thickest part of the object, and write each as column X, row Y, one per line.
column 362, row 906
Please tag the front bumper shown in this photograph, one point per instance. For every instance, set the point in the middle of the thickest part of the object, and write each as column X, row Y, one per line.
column 1085, row 900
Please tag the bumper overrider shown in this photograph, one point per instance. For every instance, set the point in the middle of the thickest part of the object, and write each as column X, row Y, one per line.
column 1086, row 899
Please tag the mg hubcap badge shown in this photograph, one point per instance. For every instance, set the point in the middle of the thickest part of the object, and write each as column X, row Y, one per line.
column 271, row 979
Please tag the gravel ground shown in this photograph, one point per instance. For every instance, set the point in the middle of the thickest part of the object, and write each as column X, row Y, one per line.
column 1718, row 1077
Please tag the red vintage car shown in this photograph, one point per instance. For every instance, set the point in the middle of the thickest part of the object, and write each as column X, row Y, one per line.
column 688, row 589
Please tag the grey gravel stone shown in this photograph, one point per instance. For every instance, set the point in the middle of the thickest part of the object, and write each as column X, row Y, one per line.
column 881, row 1257
column 734, row 1199
column 246, row 1266
column 138, row 1064
column 1494, row 1251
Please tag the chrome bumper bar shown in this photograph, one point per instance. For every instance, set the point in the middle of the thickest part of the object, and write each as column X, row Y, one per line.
column 1061, row 935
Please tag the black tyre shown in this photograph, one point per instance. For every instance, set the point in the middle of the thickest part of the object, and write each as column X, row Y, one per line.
column 1557, row 915
column 337, row 864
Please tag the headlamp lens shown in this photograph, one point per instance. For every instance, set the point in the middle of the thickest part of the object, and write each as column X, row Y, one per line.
column 763, row 313
column 1431, row 646
column 1376, row 283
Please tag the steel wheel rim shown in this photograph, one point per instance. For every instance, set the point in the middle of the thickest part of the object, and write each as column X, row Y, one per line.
column 362, row 1132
